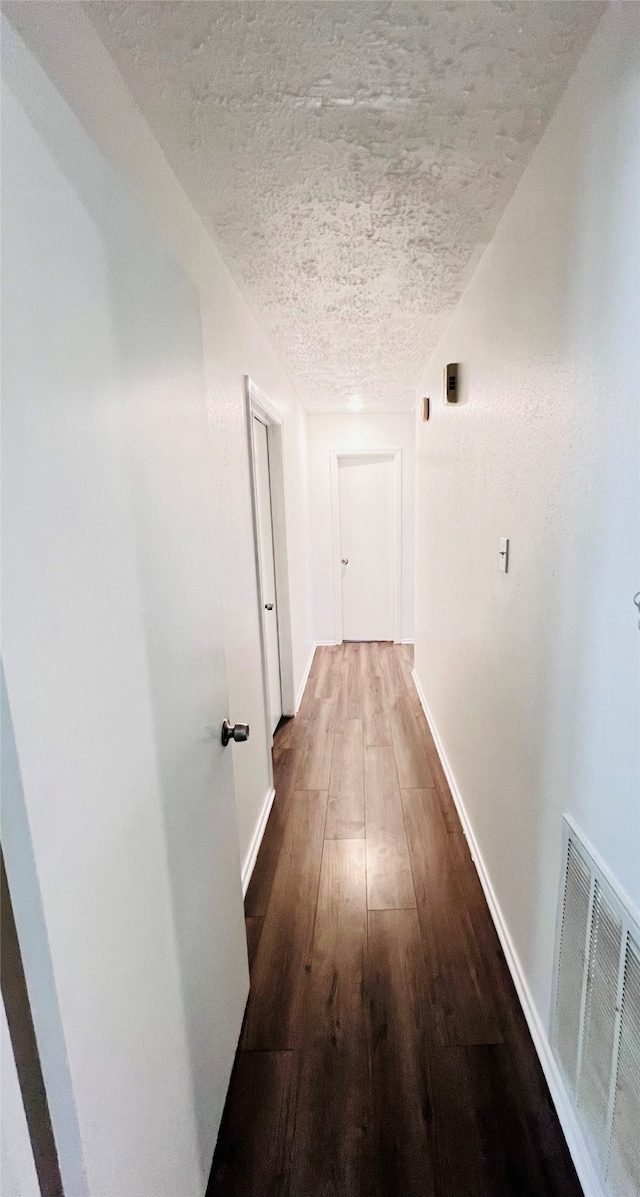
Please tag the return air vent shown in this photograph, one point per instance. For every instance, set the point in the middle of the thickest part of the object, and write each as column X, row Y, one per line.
column 596, row 1016
column 624, row 1155
column 575, row 919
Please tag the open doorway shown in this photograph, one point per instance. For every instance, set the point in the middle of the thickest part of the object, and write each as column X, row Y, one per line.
column 264, row 425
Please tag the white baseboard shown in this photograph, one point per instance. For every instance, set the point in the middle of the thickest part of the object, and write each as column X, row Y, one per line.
column 252, row 854
column 407, row 641
column 325, row 643
column 578, row 1148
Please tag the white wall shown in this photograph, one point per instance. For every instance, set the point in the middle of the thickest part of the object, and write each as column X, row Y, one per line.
column 532, row 678
column 358, row 432
column 65, row 41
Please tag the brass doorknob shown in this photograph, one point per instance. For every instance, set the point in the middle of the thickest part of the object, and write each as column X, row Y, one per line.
column 234, row 731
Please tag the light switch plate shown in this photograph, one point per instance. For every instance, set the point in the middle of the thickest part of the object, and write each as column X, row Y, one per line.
column 503, row 559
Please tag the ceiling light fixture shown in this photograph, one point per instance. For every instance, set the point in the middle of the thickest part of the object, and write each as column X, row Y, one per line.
column 355, row 403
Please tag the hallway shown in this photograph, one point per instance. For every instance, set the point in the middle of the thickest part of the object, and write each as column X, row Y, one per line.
column 384, row 1050
column 319, row 330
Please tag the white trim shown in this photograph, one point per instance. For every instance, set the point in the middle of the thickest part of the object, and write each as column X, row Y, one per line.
column 335, row 548
column 257, row 405
column 254, row 848
column 395, row 455
column 261, row 405
column 325, row 643
column 576, row 1142
column 305, row 677
column 249, row 412
column 407, row 641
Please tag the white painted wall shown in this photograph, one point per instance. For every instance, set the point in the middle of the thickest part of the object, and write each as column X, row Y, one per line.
column 18, row 1177
column 357, row 432
column 532, row 677
column 67, row 44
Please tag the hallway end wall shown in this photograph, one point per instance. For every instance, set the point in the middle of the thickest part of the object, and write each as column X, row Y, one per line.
column 531, row 677
column 357, row 433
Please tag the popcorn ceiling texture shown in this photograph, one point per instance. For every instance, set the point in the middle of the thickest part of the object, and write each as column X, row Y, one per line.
column 351, row 160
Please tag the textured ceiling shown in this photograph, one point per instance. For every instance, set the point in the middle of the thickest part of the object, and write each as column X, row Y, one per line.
column 350, row 159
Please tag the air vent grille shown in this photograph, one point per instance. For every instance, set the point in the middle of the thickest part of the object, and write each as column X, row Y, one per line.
column 573, row 939
column 624, row 1160
column 600, row 1016
column 596, row 1015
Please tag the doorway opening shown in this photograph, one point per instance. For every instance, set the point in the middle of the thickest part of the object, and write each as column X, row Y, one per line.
column 366, row 508
column 266, row 458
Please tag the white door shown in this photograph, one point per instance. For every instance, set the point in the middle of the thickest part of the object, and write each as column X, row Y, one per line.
column 367, row 551
column 267, row 570
column 119, row 825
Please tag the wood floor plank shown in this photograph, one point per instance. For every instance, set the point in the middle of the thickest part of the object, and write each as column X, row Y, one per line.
column 254, row 1145
column 329, row 671
column 253, row 927
column 333, row 1094
column 375, row 722
column 277, row 1000
column 485, row 1142
column 457, row 839
column 345, row 811
column 526, row 1081
column 405, row 665
column 259, row 888
column 319, row 673
column 400, row 1141
column 280, row 741
column 376, row 732
column 438, row 778
column 350, row 694
column 461, row 991
column 314, row 771
column 411, row 758
column 389, row 880
column 290, row 735
column 463, row 1163
column 372, row 667
column 390, row 670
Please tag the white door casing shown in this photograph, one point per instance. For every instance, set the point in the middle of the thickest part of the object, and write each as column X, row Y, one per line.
column 366, row 518
column 120, row 830
column 257, row 405
column 268, row 598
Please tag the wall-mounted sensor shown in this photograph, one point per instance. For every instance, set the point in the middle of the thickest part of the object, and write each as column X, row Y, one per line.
column 425, row 410
column 451, row 383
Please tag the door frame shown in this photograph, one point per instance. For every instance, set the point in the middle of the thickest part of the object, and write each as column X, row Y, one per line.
column 257, row 405
column 394, row 455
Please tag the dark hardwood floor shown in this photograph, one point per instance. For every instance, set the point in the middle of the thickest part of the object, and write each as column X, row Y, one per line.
column 384, row 1052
